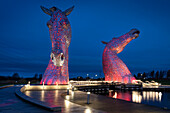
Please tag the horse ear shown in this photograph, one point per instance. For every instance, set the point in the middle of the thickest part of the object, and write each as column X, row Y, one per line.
column 104, row 42
column 68, row 11
column 46, row 10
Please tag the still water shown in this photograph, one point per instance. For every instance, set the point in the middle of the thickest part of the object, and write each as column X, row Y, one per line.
column 159, row 99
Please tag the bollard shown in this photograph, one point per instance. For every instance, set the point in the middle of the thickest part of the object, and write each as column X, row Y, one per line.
column 88, row 97
column 72, row 88
column 67, row 91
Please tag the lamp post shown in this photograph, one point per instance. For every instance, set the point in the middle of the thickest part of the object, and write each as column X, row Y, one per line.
column 88, row 97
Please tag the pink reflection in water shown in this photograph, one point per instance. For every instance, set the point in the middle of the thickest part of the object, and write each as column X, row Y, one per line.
column 136, row 96
column 119, row 95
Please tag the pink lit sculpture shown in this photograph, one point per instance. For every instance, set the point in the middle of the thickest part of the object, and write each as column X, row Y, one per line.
column 113, row 67
column 60, row 35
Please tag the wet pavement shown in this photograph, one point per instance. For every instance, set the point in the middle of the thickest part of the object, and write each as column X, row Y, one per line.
column 10, row 103
column 75, row 102
column 54, row 98
column 111, row 105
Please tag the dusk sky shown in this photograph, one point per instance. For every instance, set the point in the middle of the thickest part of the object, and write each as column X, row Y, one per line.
column 25, row 44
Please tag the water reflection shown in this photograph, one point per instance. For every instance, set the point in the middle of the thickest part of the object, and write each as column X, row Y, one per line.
column 56, row 95
column 42, row 95
column 124, row 96
column 136, row 97
column 152, row 96
column 145, row 97
column 115, row 96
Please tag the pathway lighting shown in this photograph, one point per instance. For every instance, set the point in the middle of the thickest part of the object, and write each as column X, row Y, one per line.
column 88, row 97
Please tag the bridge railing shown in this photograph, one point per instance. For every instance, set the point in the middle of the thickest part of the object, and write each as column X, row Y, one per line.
column 76, row 83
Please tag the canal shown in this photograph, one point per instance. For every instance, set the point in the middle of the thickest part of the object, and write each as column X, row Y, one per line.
column 154, row 98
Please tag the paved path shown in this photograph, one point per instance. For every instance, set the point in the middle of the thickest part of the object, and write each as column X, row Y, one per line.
column 53, row 98
column 111, row 105
column 10, row 103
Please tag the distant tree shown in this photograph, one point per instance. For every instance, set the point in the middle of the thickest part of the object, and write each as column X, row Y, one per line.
column 144, row 75
column 40, row 77
column 87, row 78
column 22, row 81
column 15, row 76
column 79, row 78
column 35, row 76
column 161, row 74
column 157, row 75
column 135, row 76
column 139, row 75
column 168, row 74
column 3, row 78
column 152, row 74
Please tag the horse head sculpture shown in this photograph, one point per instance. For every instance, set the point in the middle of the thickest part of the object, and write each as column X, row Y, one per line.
column 60, row 35
column 113, row 67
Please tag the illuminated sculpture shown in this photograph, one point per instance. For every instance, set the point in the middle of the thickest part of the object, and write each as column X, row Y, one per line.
column 113, row 67
column 60, row 35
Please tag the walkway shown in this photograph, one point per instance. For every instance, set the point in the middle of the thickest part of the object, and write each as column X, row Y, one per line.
column 111, row 105
column 10, row 103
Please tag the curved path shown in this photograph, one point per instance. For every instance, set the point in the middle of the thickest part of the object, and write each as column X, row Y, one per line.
column 99, row 104
column 10, row 103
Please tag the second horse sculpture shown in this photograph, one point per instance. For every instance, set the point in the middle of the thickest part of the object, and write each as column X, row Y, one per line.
column 113, row 67
column 60, row 35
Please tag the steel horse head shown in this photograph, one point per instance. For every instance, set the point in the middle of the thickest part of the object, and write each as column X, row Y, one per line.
column 113, row 67
column 60, row 35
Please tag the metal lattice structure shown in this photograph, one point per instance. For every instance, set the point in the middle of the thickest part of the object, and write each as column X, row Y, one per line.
column 113, row 67
column 60, row 35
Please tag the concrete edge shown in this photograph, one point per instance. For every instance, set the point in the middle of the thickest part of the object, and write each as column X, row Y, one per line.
column 6, row 86
column 42, row 104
